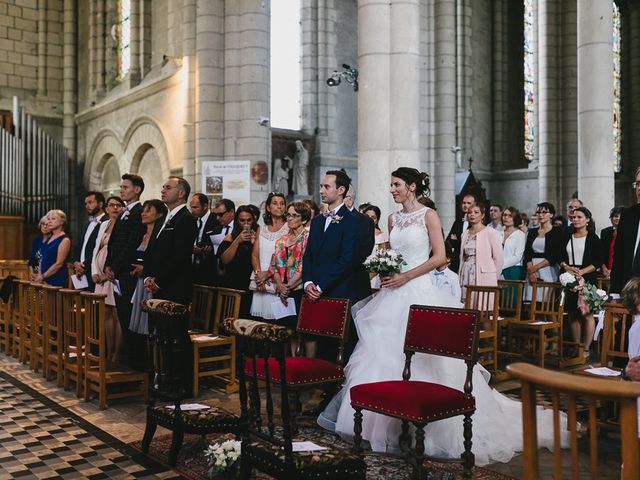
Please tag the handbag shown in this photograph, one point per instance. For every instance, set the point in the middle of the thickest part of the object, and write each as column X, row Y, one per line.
column 270, row 287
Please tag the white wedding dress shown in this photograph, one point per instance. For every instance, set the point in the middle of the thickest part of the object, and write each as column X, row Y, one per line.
column 381, row 323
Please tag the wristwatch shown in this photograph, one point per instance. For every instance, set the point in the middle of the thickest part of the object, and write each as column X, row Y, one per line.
column 623, row 374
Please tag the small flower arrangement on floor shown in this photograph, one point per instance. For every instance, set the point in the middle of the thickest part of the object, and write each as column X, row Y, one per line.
column 384, row 262
column 223, row 459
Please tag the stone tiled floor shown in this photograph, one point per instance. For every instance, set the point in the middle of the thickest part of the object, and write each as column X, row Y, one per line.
column 125, row 420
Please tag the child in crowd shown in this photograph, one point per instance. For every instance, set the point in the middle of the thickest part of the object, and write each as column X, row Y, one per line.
column 445, row 278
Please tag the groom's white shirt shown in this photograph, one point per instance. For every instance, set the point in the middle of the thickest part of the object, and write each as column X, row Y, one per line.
column 327, row 222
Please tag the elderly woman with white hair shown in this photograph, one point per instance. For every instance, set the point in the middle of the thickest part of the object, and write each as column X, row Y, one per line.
column 54, row 252
column 36, row 246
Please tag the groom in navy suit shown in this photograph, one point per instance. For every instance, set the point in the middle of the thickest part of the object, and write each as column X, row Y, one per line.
column 332, row 264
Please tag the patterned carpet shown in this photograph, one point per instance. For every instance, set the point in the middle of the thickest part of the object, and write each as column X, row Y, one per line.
column 192, row 465
column 40, row 439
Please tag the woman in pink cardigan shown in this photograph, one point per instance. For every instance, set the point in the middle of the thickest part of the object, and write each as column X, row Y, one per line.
column 481, row 256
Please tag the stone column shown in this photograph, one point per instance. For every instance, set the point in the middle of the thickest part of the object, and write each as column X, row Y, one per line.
column 134, row 47
column 549, row 186
column 69, row 99
column 443, row 184
column 389, row 95
column 42, row 48
column 189, row 23
column 208, row 87
column 595, row 107
column 100, row 50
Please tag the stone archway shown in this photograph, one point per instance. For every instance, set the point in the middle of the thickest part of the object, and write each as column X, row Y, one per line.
column 105, row 152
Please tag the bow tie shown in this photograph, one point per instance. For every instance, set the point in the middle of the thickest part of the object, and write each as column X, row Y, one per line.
column 329, row 213
column 438, row 273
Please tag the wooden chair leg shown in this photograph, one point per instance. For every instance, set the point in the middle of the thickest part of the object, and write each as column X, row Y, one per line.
column 176, row 444
column 196, row 363
column 418, row 470
column 149, row 432
column 357, row 431
column 404, row 440
column 468, row 459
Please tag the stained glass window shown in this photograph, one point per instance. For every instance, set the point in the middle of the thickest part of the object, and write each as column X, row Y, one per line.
column 286, row 70
column 124, row 37
column 529, row 81
column 617, row 127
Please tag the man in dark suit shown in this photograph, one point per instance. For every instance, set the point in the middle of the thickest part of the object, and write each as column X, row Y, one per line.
column 83, row 248
column 333, row 258
column 125, row 238
column 457, row 229
column 367, row 237
column 168, row 272
column 205, row 265
column 626, row 256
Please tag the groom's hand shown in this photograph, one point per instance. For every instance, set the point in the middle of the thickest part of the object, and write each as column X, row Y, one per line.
column 312, row 292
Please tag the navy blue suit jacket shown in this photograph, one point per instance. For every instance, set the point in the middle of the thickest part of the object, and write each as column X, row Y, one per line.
column 332, row 259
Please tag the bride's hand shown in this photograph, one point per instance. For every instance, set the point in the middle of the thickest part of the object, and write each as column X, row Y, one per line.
column 393, row 281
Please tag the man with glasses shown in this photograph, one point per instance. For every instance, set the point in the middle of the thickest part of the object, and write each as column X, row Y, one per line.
column 224, row 212
column 626, row 256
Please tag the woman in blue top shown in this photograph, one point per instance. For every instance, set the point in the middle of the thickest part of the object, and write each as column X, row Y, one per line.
column 54, row 252
column 36, row 245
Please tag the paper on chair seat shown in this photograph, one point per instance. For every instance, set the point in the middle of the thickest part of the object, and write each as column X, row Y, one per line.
column 204, row 338
column 306, row 446
column 189, row 406
column 539, row 322
column 603, row 371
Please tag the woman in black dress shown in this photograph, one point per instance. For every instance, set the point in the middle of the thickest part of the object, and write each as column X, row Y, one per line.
column 581, row 255
column 235, row 254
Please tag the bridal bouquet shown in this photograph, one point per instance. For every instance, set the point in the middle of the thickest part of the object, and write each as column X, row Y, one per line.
column 568, row 280
column 384, row 262
column 223, row 459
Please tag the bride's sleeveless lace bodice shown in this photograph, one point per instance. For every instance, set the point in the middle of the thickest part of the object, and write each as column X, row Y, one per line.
column 409, row 237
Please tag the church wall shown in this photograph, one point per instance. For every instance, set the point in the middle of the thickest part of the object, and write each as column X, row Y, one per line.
column 159, row 29
column 31, row 60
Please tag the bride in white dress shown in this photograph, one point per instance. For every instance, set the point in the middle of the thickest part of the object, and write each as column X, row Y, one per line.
column 381, row 320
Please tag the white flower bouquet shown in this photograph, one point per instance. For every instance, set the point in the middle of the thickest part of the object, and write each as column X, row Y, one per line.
column 223, row 458
column 384, row 262
column 594, row 297
column 568, row 280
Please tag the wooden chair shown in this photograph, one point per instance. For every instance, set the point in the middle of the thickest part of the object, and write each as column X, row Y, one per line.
column 14, row 341
column 617, row 321
column 202, row 421
column 267, row 437
column 323, row 318
column 557, row 384
column 37, row 328
column 27, row 305
column 486, row 300
column 53, row 335
column 72, row 314
column 17, row 268
column 511, row 296
column 202, row 309
column 604, row 283
column 6, row 324
column 214, row 354
column 542, row 333
column 446, row 332
column 98, row 376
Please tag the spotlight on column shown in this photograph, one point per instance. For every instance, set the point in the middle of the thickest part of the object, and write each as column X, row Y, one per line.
column 350, row 74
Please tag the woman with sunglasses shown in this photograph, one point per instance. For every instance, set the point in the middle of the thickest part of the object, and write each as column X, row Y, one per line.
column 274, row 228
column 542, row 250
column 102, row 282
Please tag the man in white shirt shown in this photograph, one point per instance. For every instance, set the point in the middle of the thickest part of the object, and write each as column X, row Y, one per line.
column 94, row 205
column 495, row 215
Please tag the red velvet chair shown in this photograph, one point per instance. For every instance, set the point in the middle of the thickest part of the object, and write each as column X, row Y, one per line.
column 326, row 317
column 448, row 332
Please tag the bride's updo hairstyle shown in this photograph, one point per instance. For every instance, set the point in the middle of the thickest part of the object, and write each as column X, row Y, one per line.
column 413, row 175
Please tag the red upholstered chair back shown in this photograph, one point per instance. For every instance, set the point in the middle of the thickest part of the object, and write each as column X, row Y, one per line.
column 326, row 317
column 449, row 332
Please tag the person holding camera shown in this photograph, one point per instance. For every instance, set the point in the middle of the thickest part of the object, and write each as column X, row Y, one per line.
column 235, row 254
column 205, row 262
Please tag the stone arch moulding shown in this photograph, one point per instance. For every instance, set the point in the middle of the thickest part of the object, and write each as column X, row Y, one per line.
column 143, row 134
column 104, row 146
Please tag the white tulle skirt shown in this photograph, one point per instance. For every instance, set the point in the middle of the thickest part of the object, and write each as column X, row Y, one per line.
column 381, row 323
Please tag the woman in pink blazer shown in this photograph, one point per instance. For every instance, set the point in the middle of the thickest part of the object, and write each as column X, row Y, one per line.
column 481, row 257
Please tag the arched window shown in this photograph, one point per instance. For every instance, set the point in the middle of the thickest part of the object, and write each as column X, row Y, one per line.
column 286, row 74
column 617, row 119
column 529, row 81
column 124, row 37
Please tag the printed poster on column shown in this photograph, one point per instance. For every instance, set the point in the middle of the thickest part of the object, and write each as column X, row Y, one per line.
column 227, row 179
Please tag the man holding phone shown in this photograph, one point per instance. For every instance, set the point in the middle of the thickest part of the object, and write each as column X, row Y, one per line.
column 205, row 265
